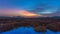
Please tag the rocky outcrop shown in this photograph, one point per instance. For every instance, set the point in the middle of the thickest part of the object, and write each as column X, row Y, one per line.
column 39, row 25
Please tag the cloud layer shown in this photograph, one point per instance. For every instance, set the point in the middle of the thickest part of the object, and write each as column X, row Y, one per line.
column 45, row 7
column 23, row 13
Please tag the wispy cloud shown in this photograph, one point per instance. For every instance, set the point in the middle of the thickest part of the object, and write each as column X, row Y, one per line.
column 24, row 13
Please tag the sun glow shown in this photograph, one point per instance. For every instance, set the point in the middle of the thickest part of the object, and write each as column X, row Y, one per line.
column 23, row 13
column 28, row 14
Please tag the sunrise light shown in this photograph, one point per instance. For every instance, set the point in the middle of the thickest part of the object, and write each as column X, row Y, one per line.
column 28, row 14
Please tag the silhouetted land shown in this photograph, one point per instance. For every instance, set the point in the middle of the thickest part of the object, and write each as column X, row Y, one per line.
column 39, row 24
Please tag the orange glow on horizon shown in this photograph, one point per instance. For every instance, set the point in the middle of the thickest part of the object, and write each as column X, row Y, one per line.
column 28, row 14
column 22, row 13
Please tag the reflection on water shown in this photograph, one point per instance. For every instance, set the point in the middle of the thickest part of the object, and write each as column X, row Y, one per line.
column 27, row 30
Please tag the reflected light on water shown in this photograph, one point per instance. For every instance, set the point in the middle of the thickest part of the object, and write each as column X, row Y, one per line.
column 27, row 30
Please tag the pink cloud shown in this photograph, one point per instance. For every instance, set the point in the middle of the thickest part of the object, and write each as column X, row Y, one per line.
column 16, row 12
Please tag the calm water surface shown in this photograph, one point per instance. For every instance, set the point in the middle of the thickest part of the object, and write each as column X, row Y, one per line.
column 26, row 30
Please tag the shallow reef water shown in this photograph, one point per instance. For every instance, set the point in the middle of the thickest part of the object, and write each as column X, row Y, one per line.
column 27, row 30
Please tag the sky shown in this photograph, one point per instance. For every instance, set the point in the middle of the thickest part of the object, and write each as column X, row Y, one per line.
column 41, row 7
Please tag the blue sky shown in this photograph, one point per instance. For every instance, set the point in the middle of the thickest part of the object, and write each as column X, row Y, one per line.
column 31, row 5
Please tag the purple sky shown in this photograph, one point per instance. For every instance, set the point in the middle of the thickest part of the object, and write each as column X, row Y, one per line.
column 43, row 7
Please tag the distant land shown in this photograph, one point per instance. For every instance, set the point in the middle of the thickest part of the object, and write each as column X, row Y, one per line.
column 39, row 24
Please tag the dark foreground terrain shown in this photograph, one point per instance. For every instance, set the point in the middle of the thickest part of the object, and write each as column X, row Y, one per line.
column 39, row 24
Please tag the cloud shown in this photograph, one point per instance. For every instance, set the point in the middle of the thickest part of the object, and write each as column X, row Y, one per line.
column 15, row 12
column 28, row 14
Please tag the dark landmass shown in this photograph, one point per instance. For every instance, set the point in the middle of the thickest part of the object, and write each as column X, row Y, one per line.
column 39, row 24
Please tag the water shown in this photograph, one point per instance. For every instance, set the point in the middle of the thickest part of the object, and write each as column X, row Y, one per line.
column 27, row 30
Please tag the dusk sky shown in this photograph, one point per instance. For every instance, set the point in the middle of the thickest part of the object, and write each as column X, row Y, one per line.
column 42, row 7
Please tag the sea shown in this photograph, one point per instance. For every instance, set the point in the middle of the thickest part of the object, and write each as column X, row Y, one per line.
column 27, row 30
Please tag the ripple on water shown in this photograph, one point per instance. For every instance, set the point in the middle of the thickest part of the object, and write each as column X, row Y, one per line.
column 26, row 30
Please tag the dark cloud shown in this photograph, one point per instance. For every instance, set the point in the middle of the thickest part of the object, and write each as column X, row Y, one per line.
column 48, row 8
